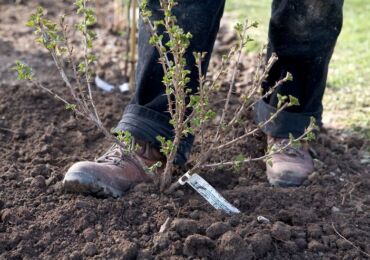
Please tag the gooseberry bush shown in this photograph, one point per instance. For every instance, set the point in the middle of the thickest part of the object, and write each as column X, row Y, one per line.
column 190, row 113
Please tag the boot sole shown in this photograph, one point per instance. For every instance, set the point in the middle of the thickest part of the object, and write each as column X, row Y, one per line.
column 284, row 184
column 80, row 182
column 276, row 182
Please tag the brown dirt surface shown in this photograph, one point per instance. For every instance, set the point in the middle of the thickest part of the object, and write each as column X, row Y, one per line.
column 39, row 140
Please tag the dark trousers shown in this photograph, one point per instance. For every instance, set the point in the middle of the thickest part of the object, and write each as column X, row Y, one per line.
column 303, row 33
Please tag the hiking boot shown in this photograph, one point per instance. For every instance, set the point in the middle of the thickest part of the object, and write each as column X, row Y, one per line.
column 290, row 167
column 112, row 174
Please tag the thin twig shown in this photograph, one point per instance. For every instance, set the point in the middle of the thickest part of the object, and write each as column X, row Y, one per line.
column 232, row 83
column 257, row 83
column 352, row 244
column 74, row 67
column 268, row 155
column 165, row 226
column 87, row 75
column 272, row 117
column 9, row 130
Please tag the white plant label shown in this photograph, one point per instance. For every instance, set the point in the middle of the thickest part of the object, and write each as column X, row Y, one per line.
column 124, row 87
column 108, row 87
column 208, row 192
column 103, row 85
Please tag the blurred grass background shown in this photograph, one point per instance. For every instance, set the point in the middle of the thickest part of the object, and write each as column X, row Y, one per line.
column 347, row 98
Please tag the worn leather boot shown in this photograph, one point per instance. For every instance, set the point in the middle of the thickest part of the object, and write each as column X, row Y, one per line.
column 290, row 167
column 113, row 173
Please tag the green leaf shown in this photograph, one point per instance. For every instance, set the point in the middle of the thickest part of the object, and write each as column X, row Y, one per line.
column 239, row 27
column 210, row 115
column 71, row 107
column 196, row 121
column 281, row 100
column 81, row 67
column 155, row 166
column 293, row 101
column 269, row 162
column 194, row 100
column 239, row 160
column 289, row 76
column 255, row 24
column 125, row 137
column 24, row 71
column 30, row 23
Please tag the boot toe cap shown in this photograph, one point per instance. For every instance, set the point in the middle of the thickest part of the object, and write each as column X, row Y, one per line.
column 81, row 177
column 285, row 174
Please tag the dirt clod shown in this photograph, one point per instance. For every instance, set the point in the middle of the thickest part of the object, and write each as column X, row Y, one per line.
column 290, row 246
column 75, row 255
column 161, row 241
column 198, row 245
column 232, row 246
column 314, row 230
column 125, row 250
column 184, row 227
column 38, row 182
column 316, row 246
column 301, row 243
column 41, row 169
column 89, row 249
column 8, row 215
column 217, row 229
column 281, row 231
column 261, row 243
column 343, row 244
column 89, row 234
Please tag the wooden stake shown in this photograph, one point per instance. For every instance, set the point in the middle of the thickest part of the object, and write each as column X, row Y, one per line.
column 118, row 19
column 133, row 45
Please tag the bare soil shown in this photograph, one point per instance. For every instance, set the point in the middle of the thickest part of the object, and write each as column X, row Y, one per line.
column 39, row 140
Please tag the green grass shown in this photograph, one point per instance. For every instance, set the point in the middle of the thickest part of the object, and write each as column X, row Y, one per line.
column 347, row 99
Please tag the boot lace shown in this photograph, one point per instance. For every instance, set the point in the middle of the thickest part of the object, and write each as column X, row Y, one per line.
column 114, row 155
column 289, row 150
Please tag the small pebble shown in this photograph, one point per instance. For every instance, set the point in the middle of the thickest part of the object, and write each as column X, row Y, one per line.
column 335, row 209
column 313, row 176
column 99, row 227
column 263, row 220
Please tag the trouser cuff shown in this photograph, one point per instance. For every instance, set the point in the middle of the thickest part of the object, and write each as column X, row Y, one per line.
column 146, row 124
column 286, row 122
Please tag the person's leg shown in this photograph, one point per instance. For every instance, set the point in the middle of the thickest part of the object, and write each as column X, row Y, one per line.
column 146, row 116
column 303, row 34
